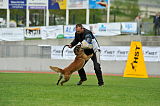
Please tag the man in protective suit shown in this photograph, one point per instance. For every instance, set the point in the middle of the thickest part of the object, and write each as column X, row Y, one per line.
column 90, row 45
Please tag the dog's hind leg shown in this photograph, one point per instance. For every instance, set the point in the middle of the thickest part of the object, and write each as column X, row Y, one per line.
column 60, row 77
column 66, row 78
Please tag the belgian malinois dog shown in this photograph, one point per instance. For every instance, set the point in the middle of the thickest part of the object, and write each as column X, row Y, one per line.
column 76, row 65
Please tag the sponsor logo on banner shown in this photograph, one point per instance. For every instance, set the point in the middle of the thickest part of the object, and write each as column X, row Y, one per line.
column 69, row 54
column 151, row 53
column 109, row 29
column 108, row 53
column 69, row 31
column 56, row 53
column 122, row 53
column 129, row 27
column 102, row 28
column 33, row 32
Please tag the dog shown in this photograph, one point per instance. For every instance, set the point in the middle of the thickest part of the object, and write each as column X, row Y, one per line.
column 76, row 65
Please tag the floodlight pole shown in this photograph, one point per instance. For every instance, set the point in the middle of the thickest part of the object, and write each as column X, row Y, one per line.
column 47, row 17
column 67, row 16
column 87, row 16
column 8, row 17
column 44, row 20
column 108, row 11
column 27, row 17
column 67, row 13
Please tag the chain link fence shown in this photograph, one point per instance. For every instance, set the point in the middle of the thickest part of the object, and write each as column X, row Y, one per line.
column 147, row 28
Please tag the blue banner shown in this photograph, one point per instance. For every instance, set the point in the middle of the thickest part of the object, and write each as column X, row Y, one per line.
column 52, row 4
column 98, row 4
column 17, row 4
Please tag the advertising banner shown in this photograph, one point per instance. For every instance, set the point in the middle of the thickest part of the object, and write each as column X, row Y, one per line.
column 100, row 29
column 68, row 53
column 122, row 53
column 56, row 53
column 97, row 4
column 92, row 27
column 32, row 32
column 78, row 4
column 51, row 32
column 3, row 4
column 69, row 31
column 109, row 53
column 17, row 4
column 57, row 4
column 109, row 29
column 151, row 53
column 129, row 27
column 11, row 34
column 37, row 4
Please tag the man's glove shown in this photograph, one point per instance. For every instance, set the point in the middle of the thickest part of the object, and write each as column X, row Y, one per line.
column 70, row 46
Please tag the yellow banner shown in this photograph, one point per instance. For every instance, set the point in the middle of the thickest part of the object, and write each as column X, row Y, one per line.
column 135, row 66
column 62, row 4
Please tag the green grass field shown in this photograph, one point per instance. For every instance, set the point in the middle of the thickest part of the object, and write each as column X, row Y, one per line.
column 17, row 89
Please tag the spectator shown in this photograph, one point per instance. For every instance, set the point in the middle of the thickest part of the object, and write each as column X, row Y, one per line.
column 138, row 19
column 156, row 21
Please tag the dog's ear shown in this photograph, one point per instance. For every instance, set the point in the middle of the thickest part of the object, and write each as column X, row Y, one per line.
column 76, row 50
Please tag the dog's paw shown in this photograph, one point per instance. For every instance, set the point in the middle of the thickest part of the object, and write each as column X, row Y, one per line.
column 61, row 84
column 57, row 83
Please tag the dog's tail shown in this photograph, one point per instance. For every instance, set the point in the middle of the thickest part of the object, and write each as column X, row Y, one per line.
column 56, row 69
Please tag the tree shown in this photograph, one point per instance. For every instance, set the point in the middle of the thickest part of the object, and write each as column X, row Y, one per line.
column 125, row 8
column 3, row 13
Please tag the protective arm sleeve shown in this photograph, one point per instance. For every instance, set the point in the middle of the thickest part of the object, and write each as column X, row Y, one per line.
column 87, row 42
